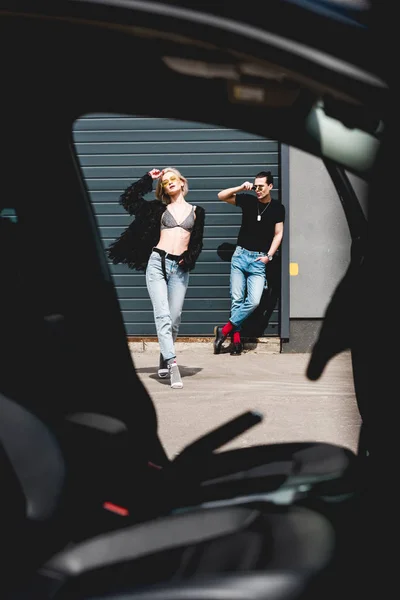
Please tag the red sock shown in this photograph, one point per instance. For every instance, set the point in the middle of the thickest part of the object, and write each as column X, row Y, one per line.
column 236, row 337
column 227, row 329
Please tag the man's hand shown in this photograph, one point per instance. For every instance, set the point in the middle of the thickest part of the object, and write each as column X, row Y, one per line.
column 263, row 259
column 155, row 173
column 229, row 194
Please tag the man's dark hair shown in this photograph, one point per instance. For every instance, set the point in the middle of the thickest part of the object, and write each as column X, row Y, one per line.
column 268, row 176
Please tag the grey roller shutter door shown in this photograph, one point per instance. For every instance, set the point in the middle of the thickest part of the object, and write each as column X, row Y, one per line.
column 115, row 150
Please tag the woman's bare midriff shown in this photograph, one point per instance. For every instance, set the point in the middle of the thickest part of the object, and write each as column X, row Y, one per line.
column 174, row 241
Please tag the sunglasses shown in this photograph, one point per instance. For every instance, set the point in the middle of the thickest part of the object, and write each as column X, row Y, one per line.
column 257, row 188
column 166, row 182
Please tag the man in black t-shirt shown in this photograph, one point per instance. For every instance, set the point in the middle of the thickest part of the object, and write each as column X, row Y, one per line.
column 259, row 238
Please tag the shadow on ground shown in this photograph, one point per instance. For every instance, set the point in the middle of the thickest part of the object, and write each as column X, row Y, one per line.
column 184, row 371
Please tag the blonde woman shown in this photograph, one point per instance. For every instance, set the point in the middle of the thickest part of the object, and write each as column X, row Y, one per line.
column 164, row 240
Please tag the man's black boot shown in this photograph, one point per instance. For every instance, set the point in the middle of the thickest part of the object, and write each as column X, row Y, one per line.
column 237, row 349
column 219, row 339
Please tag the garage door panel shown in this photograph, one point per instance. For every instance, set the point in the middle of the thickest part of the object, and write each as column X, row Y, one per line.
column 188, row 316
column 269, row 155
column 207, row 257
column 208, row 243
column 120, row 220
column 114, row 208
column 207, row 173
column 213, row 267
column 133, row 279
column 194, row 292
column 106, row 122
column 191, row 304
column 210, row 231
column 134, row 148
column 115, row 150
column 194, row 329
column 216, row 184
column 206, row 198
column 156, row 135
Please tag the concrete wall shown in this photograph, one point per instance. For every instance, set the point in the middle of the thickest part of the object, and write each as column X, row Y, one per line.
column 319, row 247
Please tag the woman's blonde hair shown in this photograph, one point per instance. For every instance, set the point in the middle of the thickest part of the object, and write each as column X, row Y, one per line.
column 160, row 192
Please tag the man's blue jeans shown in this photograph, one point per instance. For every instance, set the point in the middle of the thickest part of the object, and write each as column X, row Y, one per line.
column 247, row 284
column 167, row 297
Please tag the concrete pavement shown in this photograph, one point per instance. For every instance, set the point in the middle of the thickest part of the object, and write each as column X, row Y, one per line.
column 217, row 388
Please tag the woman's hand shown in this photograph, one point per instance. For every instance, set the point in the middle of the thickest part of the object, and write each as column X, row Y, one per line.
column 155, row 173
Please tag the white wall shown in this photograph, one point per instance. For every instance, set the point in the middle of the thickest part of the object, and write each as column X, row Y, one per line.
column 319, row 236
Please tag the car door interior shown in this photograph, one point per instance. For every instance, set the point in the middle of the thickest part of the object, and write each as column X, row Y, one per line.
column 257, row 536
column 92, row 505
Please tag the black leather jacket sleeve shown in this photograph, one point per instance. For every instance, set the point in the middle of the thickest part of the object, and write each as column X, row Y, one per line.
column 191, row 255
column 132, row 198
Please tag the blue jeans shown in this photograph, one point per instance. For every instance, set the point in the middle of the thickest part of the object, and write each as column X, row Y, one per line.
column 167, row 297
column 247, row 284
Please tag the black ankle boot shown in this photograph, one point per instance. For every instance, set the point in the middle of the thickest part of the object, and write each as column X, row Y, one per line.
column 219, row 339
column 237, row 349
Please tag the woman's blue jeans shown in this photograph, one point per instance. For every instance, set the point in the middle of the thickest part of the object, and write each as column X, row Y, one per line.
column 247, row 283
column 167, row 297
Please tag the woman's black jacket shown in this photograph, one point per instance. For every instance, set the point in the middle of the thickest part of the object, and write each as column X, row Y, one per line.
column 135, row 244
